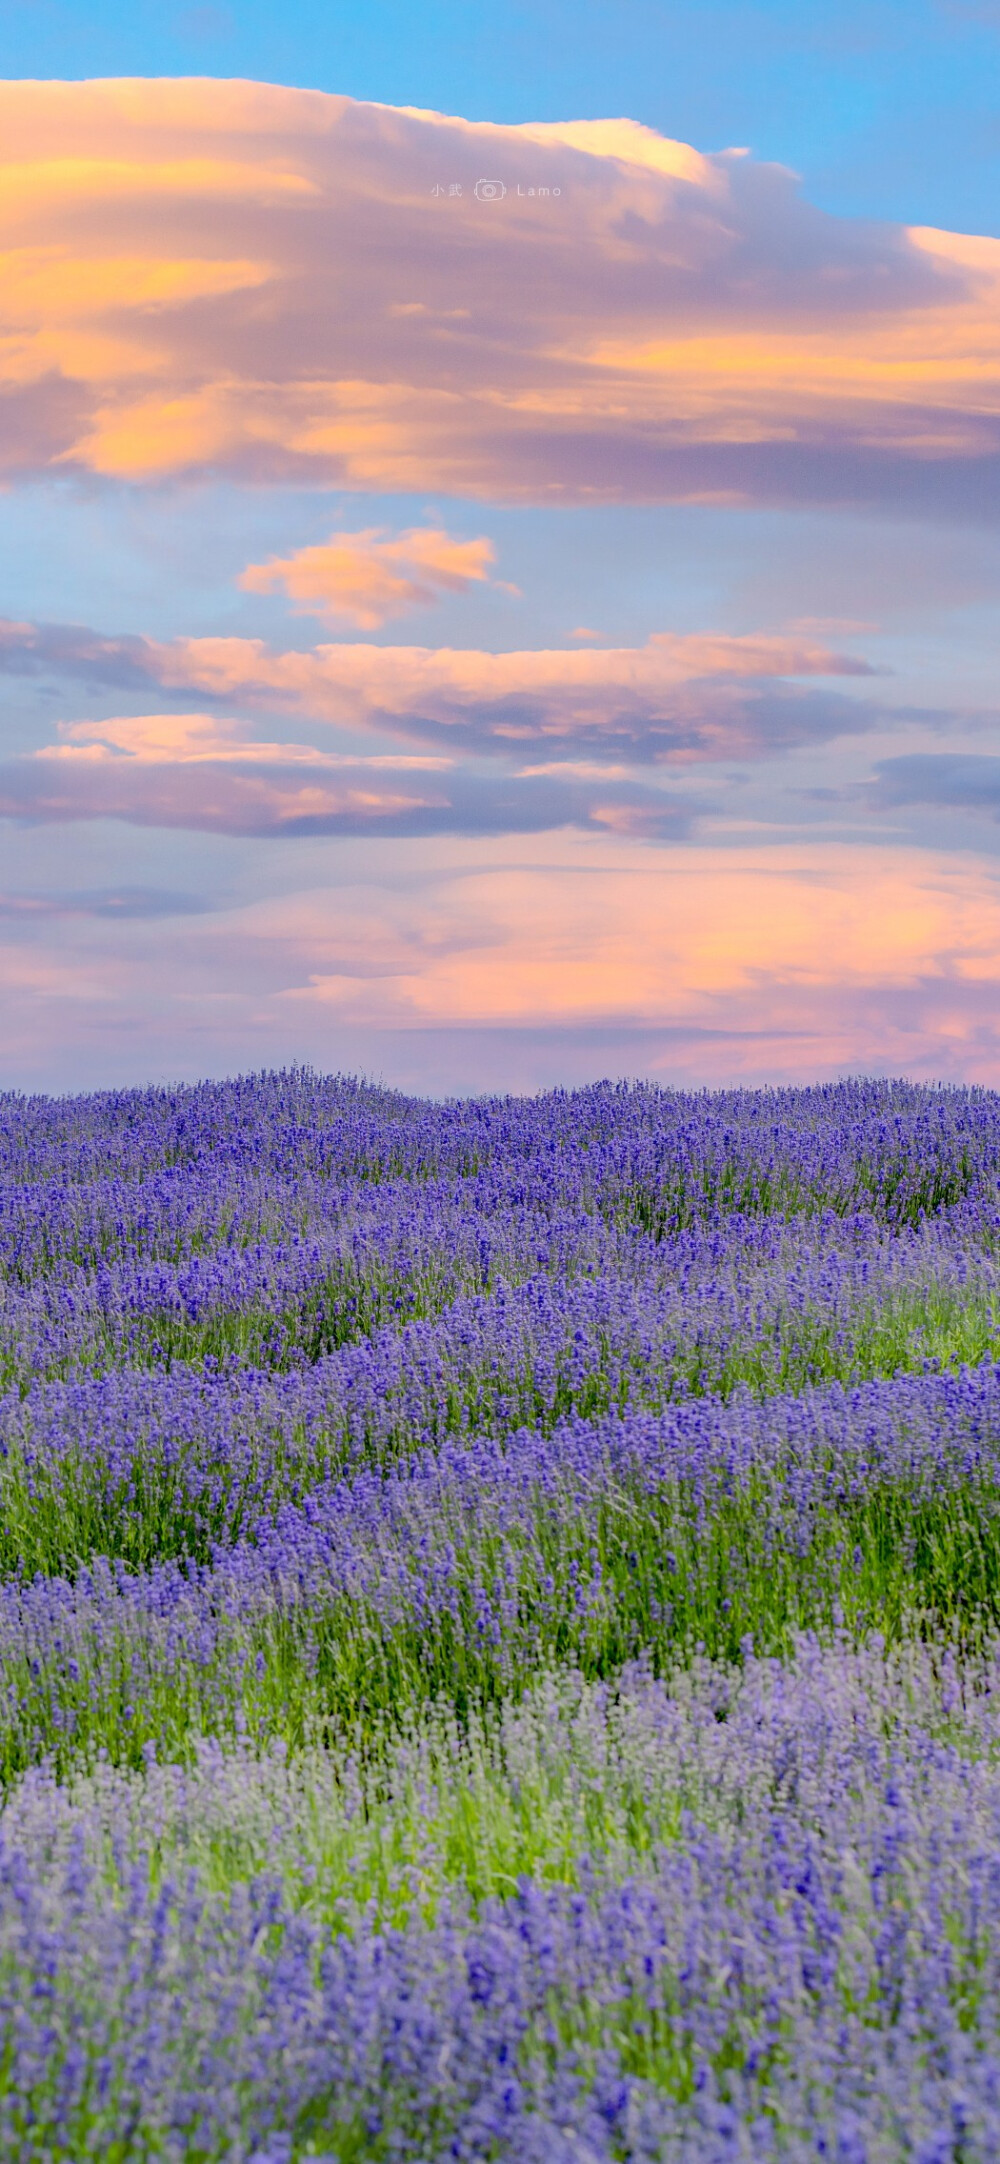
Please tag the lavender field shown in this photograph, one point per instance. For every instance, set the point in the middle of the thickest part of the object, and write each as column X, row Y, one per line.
column 500, row 1625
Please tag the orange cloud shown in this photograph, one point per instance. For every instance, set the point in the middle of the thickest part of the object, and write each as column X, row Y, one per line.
column 763, row 960
column 500, row 963
column 366, row 579
column 26, row 183
column 279, row 284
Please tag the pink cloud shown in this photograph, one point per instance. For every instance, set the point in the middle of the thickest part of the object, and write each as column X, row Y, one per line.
column 202, row 772
column 746, row 938
column 204, row 277
column 489, row 963
column 364, row 579
column 191, row 739
column 683, row 698
column 209, row 774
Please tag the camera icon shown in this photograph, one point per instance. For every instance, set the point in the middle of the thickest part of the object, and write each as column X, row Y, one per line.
column 489, row 191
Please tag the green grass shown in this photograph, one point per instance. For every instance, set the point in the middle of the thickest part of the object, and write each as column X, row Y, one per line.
column 681, row 1571
column 390, row 1817
column 395, row 1816
column 577, row 1787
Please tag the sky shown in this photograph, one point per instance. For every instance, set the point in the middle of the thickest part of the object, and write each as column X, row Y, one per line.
column 500, row 515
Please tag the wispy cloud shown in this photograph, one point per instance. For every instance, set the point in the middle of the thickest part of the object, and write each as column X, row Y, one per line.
column 110, row 904
column 960, row 780
column 226, row 277
column 210, row 775
column 194, row 739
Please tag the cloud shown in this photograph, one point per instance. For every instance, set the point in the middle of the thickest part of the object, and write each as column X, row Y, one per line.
column 680, row 698
column 964, row 781
column 492, row 962
column 363, row 579
column 208, row 277
column 116, row 904
column 764, row 963
column 677, row 938
column 823, row 626
column 126, row 662
column 206, row 774
column 193, row 739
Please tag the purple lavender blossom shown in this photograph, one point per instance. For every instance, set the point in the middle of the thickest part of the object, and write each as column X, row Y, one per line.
column 373, row 1476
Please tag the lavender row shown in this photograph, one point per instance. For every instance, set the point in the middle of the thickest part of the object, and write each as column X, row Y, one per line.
column 783, row 1947
column 665, row 1156
column 51, row 1229
column 80, row 1231
column 291, row 1300
column 138, row 1465
column 462, row 1570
